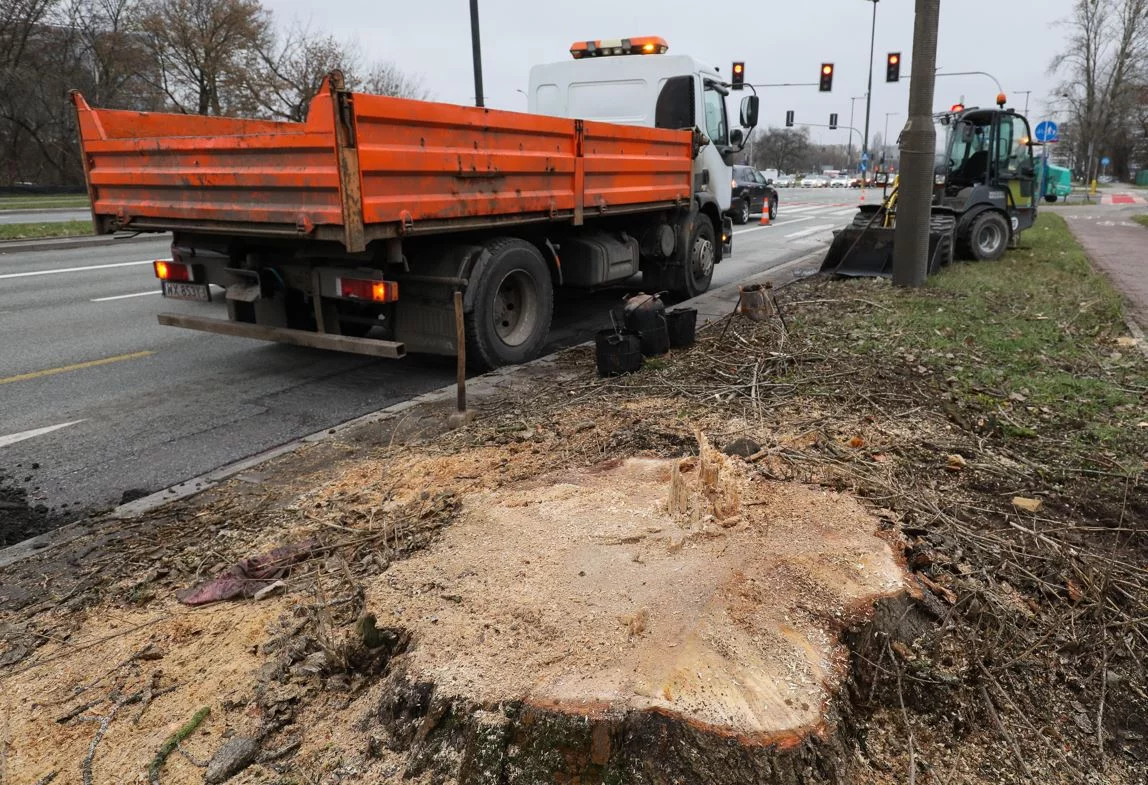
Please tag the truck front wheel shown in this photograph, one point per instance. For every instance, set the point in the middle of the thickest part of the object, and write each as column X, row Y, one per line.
column 701, row 254
column 513, row 306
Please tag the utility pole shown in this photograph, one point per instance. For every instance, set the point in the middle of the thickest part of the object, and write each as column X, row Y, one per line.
column 918, row 142
column 869, row 90
column 476, row 50
column 852, row 105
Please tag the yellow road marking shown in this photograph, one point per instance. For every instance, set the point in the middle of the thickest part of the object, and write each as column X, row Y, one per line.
column 76, row 367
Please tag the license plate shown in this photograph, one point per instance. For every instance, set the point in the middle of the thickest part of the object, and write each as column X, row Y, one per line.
column 187, row 291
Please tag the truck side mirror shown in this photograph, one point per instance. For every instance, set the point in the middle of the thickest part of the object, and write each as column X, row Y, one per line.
column 736, row 137
column 749, row 106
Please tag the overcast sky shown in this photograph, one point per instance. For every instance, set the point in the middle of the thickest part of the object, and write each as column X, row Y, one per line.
column 780, row 41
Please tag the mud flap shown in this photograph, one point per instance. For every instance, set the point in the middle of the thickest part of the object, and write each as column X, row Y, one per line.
column 726, row 236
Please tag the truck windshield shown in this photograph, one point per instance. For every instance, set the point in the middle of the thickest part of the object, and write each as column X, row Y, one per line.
column 716, row 128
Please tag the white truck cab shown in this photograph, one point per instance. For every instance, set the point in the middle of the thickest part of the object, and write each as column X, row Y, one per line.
column 632, row 81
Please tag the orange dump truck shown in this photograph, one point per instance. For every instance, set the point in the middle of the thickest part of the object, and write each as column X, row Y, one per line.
column 353, row 230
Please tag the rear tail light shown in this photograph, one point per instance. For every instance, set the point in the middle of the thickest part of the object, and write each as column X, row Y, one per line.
column 365, row 289
column 172, row 271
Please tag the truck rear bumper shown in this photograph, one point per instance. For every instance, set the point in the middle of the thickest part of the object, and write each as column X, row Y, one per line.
column 338, row 343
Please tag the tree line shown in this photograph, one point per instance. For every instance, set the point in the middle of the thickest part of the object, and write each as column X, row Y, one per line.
column 1102, row 99
column 211, row 57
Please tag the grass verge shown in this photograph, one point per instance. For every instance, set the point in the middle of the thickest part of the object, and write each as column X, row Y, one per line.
column 35, row 231
column 43, row 202
column 1141, row 219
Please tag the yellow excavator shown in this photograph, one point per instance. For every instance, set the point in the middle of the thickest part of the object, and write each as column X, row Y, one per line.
column 984, row 196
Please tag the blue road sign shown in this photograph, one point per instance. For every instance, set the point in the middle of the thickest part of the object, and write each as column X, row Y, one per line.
column 1105, row 161
column 864, row 165
column 1047, row 131
column 864, row 156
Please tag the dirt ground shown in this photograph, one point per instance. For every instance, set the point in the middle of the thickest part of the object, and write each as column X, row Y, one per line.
column 578, row 588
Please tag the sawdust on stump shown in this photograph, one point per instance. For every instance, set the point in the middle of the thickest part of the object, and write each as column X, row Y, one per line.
column 679, row 587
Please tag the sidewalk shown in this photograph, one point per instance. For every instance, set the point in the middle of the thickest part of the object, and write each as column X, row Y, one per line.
column 1116, row 246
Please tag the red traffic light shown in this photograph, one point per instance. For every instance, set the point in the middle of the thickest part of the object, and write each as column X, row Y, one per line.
column 893, row 67
column 738, row 68
column 957, row 108
column 737, row 79
column 826, row 83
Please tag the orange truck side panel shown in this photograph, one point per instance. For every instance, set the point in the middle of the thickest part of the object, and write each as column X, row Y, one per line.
column 417, row 161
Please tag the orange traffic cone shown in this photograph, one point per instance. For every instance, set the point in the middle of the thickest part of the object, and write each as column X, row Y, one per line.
column 765, row 215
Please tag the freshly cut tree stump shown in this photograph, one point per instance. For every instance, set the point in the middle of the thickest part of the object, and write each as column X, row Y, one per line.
column 643, row 621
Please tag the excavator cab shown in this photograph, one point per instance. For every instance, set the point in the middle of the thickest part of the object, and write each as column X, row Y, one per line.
column 984, row 196
column 986, row 174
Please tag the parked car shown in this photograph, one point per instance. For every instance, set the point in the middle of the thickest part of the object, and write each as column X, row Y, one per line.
column 751, row 194
column 814, row 181
column 783, row 181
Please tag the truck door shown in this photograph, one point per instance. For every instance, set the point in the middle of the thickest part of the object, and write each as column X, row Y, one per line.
column 1015, row 168
column 717, row 129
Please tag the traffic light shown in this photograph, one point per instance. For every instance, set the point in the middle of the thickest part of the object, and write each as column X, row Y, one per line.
column 826, row 77
column 893, row 67
column 789, row 119
column 738, row 72
column 833, row 122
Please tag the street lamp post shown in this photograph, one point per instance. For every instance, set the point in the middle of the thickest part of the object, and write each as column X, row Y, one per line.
column 885, row 137
column 852, row 104
column 476, row 53
column 869, row 90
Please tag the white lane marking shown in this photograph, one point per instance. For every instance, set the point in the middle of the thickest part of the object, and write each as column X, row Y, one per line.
column 809, row 231
column 125, row 296
column 778, row 222
column 806, row 209
column 19, row 437
column 850, row 211
column 79, row 269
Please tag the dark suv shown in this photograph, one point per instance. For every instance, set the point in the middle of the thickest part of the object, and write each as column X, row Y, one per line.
column 751, row 194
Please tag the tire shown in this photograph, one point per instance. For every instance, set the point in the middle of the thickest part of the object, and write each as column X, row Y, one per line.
column 861, row 219
column 772, row 209
column 700, row 256
column 741, row 214
column 1050, row 198
column 946, row 226
column 513, row 306
column 988, row 236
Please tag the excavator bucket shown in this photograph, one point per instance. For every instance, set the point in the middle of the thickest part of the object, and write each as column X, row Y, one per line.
column 865, row 249
column 860, row 252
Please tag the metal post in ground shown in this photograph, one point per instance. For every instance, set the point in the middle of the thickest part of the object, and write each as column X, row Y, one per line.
column 476, row 51
column 462, row 415
column 918, row 143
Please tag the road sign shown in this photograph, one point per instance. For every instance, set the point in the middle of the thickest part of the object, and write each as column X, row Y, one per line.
column 864, row 156
column 1047, row 131
column 1105, row 161
column 865, row 164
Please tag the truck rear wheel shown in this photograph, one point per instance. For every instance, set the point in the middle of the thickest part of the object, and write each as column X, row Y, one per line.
column 513, row 306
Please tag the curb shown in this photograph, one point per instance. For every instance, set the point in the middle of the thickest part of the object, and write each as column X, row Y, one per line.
column 68, row 243
column 711, row 306
column 42, row 210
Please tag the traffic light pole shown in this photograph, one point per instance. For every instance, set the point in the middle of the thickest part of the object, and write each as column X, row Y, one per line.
column 918, row 143
column 869, row 91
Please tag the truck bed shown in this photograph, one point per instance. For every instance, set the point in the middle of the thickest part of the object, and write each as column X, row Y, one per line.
column 364, row 167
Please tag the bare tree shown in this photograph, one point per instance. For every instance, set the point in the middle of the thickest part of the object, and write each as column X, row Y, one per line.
column 1106, row 51
column 783, row 149
column 291, row 68
column 204, row 50
column 386, row 78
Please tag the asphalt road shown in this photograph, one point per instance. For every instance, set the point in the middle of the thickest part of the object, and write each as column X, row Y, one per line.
column 106, row 400
column 49, row 215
